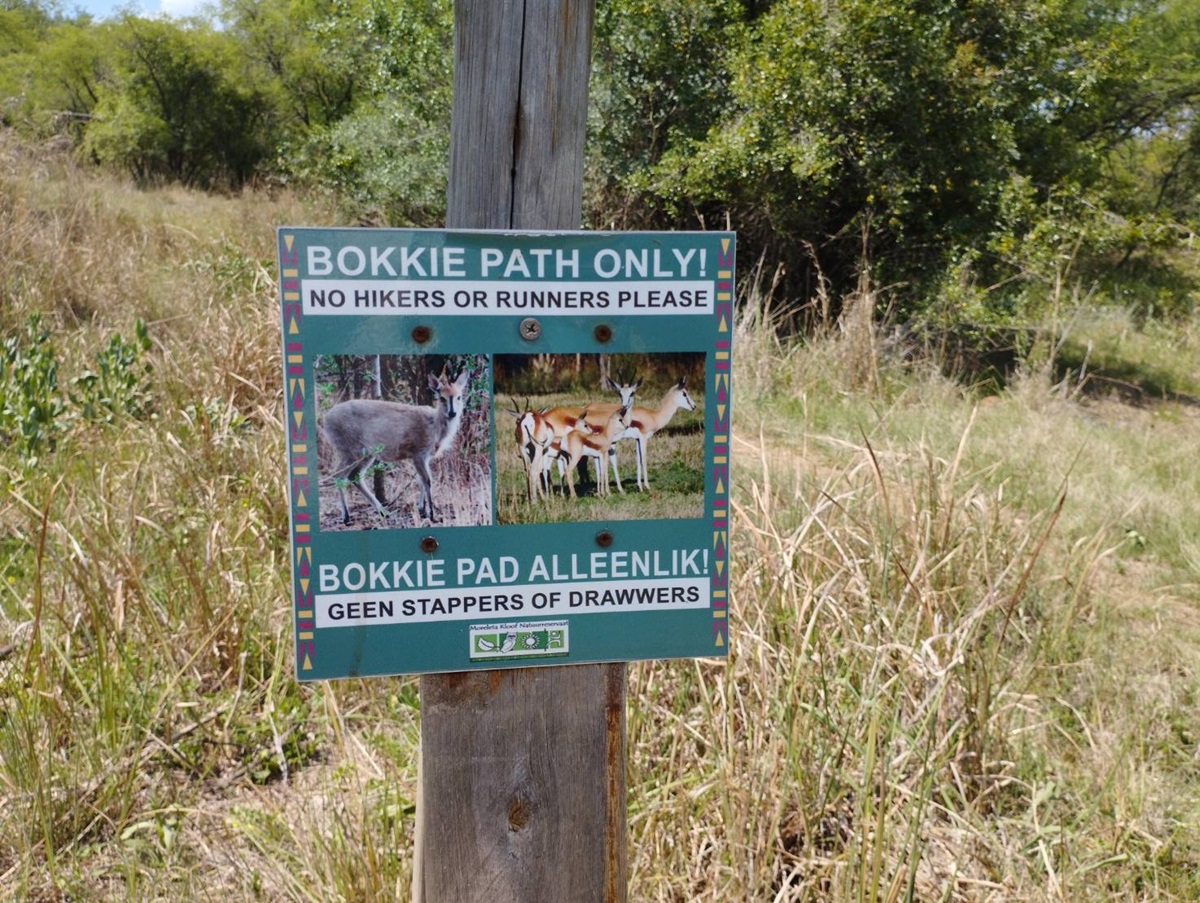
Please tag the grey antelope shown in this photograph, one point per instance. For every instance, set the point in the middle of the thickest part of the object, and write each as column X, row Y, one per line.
column 593, row 417
column 533, row 434
column 645, row 422
column 579, row 444
column 365, row 432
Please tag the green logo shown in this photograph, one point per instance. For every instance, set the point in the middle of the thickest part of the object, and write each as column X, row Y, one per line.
column 523, row 639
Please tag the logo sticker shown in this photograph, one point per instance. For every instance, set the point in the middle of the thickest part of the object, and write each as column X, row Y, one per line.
column 518, row 639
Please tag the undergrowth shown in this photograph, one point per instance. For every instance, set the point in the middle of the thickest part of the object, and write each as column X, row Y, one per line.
column 964, row 640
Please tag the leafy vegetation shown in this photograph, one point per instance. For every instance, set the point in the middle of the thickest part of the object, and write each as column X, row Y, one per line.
column 34, row 412
column 964, row 661
column 965, row 655
column 969, row 154
column 119, row 385
column 31, row 405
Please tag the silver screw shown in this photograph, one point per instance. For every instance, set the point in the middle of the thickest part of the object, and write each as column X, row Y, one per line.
column 531, row 329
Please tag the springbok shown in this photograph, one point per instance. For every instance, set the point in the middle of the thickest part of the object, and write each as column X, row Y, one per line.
column 365, row 432
column 579, row 444
column 645, row 422
column 533, row 434
column 593, row 416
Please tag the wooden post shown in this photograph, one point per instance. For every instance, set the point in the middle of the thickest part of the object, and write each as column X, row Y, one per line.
column 521, row 793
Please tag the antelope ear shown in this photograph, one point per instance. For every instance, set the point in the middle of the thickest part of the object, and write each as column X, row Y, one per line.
column 434, row 384
column 462, row 379
column 682, row 381
column 638, row 384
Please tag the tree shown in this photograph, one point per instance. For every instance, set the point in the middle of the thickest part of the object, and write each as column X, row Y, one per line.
column 176, row 109
column 304, row 51
column 939, row 131
column 365, row 88
column 660, row 76
column 22, row 26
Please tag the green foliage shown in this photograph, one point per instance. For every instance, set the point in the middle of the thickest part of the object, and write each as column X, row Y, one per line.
column 893, row 119
column 61, row 81
column 381, row 163
column 34, row 414
column 954, row 149
column 679, row 476
column 384, row 155
column 660, row 77
column 120, row 384
column 914, row 136
column 18, row 30
column 176, row 109
column 20, row 33
column 31, row 406
column 229, row 266
column 298, row 48
column 281, row 741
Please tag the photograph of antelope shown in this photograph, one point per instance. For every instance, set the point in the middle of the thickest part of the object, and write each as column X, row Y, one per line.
column 598, row 437
column 404, row 441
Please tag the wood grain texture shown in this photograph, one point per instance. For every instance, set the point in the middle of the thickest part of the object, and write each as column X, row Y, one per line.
column 522, row 787
column 520, row 111
column 521, row 793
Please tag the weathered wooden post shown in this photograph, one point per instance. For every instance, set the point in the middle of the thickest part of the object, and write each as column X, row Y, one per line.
column 522, row 778
column 521, row 794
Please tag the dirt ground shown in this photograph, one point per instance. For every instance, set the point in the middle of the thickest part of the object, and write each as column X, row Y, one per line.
column 461, row 488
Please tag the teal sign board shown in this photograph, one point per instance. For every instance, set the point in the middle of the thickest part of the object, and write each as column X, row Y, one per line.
column 506, row 449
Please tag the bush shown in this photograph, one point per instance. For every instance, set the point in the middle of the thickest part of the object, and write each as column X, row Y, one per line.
column 31, row 407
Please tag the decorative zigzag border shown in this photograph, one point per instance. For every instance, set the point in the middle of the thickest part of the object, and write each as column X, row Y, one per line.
column 300, row 452
column 723, row 310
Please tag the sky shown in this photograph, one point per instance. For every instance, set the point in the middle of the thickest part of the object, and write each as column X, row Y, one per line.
column 103, row 9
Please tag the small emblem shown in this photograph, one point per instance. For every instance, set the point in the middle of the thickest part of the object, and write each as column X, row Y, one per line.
column 521, row 639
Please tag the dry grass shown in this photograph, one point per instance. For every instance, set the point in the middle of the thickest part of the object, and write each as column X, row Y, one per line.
column 964, row 645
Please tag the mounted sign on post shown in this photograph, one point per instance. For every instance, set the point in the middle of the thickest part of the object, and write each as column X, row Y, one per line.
column 550, row 413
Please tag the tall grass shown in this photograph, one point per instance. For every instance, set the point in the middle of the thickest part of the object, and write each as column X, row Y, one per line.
column 964, row 635
column 142, row 555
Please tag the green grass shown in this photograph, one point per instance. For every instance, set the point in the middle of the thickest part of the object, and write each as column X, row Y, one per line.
column 965, row 640
column 1109, row 353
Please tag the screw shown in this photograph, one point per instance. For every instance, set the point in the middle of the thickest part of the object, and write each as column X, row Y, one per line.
column 604, row 539
column 531, row 329
column 603, row 333
column 429, row 545
column 422, row 334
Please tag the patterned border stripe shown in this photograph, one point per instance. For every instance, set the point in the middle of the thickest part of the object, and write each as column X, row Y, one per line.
column 722, row 348
column 296, row 391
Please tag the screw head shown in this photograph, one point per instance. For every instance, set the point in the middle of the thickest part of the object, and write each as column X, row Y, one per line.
column 603, row 333
column 429, row 545
column 531, row 329
column 422, row 334
column 604, row 539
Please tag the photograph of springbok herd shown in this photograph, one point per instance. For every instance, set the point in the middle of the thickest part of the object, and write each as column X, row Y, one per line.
column 599, row 437
column 468, row 440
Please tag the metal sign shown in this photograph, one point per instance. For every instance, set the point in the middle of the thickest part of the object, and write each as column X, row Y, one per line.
column 506, row 449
